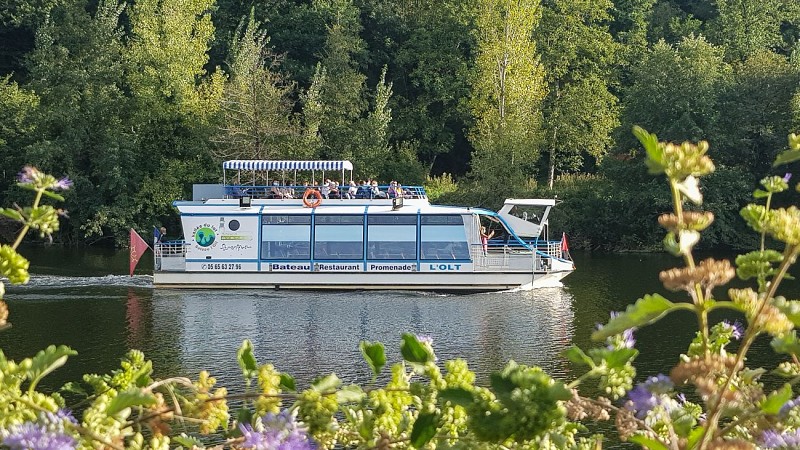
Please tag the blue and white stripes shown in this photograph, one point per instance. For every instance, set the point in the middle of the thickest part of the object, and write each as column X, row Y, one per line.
column 249, row 164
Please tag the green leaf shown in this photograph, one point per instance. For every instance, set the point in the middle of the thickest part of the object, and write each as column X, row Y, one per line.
column 424, row 429
column 374, row 354
column 786, row 157
column 326, row 384
column 186, row 441
column 648, row 443
column 413, row 351
column 645, row 311
column 12, row 214
column 774, row 401
column 47, row 361
column 456, row 396
column 247, row 360
column 576, row 355
column 288, row 383
column 695, row 435
column 620, row 357
column 244, row 415
column 128, row 398
column 74, row 388
column 655, row 154
column 758, row 193
column 559, row 391
column 53, row 195
column 350, row 394
column 786, row 344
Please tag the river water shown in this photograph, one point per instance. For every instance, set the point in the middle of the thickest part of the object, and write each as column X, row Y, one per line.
column 84, row 299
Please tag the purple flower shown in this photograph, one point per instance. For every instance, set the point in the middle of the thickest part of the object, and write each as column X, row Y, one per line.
column 787, row 177
column 280, row 432
column 788, row 406
column 645, row 396
column 424, row 339
column 63, row 183
column 30, row 435
column 785, row 440
column 622, row 340
column 735, row 328
column 27, row 175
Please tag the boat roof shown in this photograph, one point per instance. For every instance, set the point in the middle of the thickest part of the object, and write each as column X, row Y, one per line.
column 263, row 164
column 295, row 206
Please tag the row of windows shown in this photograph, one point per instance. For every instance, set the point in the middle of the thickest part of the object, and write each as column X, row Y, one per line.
column 389, row 237
column 405, row 251
column 384, row 219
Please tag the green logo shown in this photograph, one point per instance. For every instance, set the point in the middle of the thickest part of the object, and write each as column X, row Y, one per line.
column 204, row 236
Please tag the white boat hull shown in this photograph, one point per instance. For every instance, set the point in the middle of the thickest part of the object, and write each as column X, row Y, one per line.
column 474, row 281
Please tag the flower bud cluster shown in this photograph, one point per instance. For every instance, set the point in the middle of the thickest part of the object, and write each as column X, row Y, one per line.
column 770, row 318
column 708, row 274
column 13, row 266
column 580, row 408
column 678, row 161
column 690, row 220
column 707, row 374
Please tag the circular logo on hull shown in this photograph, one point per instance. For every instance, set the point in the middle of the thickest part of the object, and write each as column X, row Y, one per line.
column 205, row 236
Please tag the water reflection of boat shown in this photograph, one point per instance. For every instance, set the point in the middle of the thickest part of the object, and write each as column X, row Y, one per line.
column 261, row 236
column 308, row 334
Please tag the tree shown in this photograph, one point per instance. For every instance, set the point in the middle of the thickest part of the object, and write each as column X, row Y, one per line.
column 17, row 125
column 675, row 91
column 744, row 27
column 83, row 124
column 507, row 91
column 577, row 54
column 256, row 112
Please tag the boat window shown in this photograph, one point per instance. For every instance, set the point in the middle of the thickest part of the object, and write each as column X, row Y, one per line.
column 339, row 242
column 286, row 241
column 443, row 239
column 392, row 220
column 339, row 220
column 285, row 219
column 442, row 220
column 392, row 242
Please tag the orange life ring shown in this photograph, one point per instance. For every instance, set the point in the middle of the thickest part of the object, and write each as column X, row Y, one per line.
column 308, row 198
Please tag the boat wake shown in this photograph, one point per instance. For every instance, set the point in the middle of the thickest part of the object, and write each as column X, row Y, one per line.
column 58, row 281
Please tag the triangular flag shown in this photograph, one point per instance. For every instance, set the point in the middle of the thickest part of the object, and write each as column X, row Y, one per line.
column 138, row 247
column 564, row 247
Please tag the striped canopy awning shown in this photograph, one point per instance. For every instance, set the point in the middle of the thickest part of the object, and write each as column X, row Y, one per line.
column 253, row 164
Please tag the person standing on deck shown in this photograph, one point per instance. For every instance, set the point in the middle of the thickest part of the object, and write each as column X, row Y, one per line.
column 485, row 236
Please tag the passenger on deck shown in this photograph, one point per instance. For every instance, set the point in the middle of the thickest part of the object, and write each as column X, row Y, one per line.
column 353, row 190
column 376, row 191
column 485, row 236
column 363, row 191
column 392, row 191
column 325, row 189
column 275, row 191
column 334, row 189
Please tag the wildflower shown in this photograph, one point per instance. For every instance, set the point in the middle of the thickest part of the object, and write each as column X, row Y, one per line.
column 46, row 434
column 621, row 340
column 785, row 440
column 788, row 406
column 787, row 177
column 735, row 328
column 424, row 339
column 277, row 432
column 28, row 175
column 62, row 184
column 646, row 396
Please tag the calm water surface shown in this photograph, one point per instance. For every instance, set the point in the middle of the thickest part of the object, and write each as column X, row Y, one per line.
column 83, row 299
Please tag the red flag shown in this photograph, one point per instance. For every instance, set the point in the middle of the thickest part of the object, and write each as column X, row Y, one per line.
column 564, row 247
column 138, row 247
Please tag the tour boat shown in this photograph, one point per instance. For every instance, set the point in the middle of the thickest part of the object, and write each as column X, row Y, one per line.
column 262, row 231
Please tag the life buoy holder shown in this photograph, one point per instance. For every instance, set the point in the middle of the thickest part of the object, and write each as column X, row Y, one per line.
column 312, row 198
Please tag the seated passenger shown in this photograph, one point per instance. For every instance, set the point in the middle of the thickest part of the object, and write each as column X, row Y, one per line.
column 353, row 190
column 333, row 185
column 364, row 191
column 276, row 191
column 392, row 191
column 325, row 189
column 376, row 191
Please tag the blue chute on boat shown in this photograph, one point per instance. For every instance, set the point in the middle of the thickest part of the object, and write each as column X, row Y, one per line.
column 252, row 164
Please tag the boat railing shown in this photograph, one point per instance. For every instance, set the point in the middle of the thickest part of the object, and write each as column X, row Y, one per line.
column 501, row 256
column 170, row 256
column 297, row 191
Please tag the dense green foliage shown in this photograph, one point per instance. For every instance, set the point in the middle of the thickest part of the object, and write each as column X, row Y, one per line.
column 136, row 101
